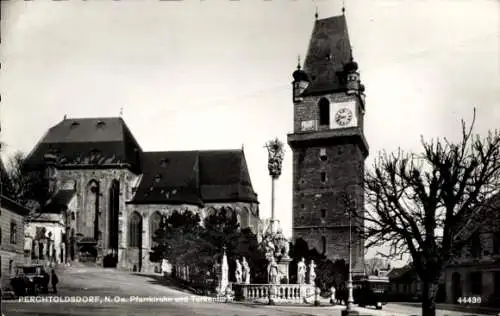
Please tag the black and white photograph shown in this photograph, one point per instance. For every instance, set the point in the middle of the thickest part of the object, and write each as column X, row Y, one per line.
column 250, row 157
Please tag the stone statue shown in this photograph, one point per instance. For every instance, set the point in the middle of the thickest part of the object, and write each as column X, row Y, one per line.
column 301, row 271
column 269, row 247
column 312, row 273
column 275, row 157
column 238, row 271
column 246, row 271
column 283, row 246
column 272, row 270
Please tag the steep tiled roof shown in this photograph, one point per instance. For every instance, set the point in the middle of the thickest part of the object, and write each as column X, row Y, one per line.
column 329, row 49
column 194, row 177
column 88, row 142
column 168, row 177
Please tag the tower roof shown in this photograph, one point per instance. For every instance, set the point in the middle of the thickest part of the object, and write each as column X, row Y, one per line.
column 329, row 49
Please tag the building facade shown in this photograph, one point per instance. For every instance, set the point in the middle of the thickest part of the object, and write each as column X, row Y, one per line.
column 476, row 273
column 12, row 217
column 116, row 193
column 328, row 144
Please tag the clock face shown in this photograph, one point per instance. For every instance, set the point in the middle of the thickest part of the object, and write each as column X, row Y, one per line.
column 343, row 116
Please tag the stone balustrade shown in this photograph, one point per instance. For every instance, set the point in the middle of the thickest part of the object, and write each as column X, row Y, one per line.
column 278, row 293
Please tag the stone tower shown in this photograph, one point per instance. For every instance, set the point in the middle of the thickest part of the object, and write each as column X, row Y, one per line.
column 328, row 144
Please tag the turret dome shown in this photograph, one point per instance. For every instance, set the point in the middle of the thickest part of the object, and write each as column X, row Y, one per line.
column 300, row 75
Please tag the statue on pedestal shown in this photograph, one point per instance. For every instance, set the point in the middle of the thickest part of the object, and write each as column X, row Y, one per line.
column 238, row 272
column 312, row 273
column 246, row 271
column 275, row 149
column 224, row 279
column 272, row 270
column 301, row 272
column 269, row 247
column 282, row 244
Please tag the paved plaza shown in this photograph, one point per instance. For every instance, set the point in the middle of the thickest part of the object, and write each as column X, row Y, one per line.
column 120, row 293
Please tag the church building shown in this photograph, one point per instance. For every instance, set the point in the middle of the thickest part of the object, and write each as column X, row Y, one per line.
column 115, row 193
column 328, row 144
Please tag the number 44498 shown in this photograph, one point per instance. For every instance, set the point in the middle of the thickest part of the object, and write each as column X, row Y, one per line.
column 469, row 300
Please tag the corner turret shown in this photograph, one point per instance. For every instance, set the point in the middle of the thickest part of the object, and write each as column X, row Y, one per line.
column 300, row 82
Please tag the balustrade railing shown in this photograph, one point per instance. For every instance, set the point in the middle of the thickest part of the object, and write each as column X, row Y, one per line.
column 294, row 293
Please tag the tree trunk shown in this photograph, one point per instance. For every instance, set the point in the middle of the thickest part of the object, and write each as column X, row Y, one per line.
column 429, row 292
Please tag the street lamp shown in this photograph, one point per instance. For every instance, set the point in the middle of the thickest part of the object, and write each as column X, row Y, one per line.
column 350, row 299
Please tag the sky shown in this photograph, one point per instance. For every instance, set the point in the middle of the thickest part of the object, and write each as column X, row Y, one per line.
column 216, row 74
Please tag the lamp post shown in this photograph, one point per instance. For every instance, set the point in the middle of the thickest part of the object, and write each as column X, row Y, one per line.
column 350, row 299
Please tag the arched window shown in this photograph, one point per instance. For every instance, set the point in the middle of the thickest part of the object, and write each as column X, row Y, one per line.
column 323, row 213
column 324, row 112
column 135, row 230
column 154, row 225
column 323, row 244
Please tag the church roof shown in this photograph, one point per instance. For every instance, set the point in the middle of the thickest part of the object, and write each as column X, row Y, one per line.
column 194, row 177
column 88, row 142
column 191, row 177
column 329, row 49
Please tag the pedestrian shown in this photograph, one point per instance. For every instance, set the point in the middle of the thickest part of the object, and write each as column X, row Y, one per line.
column 54, row 280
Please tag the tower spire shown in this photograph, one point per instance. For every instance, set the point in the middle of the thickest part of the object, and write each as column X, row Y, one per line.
column 317, row 13
column 121, row 111
column 298, row 62
column 343, row 7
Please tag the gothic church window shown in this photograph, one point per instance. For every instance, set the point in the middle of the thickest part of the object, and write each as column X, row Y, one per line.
column 135, row 230
column 13, row 233
column 323, row 213
column 154, row 226
column 324, row 112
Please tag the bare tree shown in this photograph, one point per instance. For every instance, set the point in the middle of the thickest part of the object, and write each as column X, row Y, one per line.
column 430, row 204
column 25, row 187
column 372, row 265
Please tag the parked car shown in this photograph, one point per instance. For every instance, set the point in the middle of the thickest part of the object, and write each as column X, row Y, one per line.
column 30, row 280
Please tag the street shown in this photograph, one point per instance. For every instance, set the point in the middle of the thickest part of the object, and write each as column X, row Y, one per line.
column 119, row 293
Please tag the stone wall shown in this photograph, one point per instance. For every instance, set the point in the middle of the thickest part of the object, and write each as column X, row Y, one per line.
column 104, row 177
column 308, row 109
column 318, row 210
column 11, row 254
column 128, row 257
column 322, row 170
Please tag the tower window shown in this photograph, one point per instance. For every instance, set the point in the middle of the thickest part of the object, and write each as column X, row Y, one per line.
column 323, row 177
column 322, row 154
column 323, row 213
column 302, row 206
column 324, row 112
column 323, row 244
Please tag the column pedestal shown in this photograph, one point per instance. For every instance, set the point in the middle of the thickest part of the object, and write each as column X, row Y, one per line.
column 283, row 267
